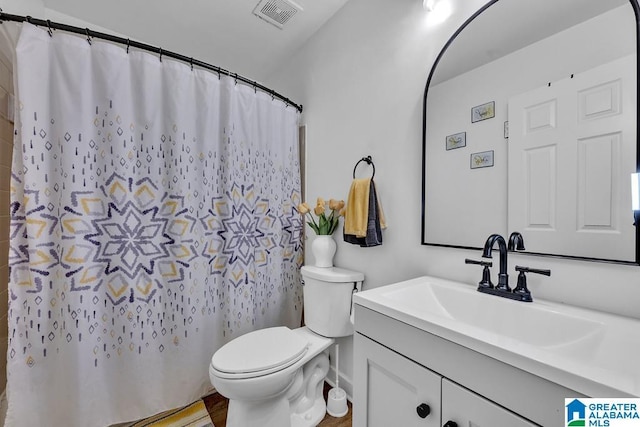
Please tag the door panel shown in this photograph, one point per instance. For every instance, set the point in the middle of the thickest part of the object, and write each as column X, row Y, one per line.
column 468, row 409
column 571, row 150
column 389, row 388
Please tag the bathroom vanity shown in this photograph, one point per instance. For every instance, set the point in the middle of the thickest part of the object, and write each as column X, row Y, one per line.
column 431, row 352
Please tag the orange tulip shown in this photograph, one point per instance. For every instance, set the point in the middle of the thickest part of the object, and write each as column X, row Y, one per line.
column 336, row 205
column 304, row 208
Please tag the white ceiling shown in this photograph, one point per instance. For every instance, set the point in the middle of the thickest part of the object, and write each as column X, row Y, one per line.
column 220, row 32
column 226, row 33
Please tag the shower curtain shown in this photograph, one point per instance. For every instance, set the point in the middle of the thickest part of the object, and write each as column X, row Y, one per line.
column 152, row 220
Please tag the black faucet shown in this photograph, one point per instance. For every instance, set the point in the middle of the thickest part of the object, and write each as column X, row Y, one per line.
column 502, row 289
column 503, row 277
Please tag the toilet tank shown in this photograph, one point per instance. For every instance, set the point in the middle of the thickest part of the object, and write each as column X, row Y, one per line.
column 328, row 294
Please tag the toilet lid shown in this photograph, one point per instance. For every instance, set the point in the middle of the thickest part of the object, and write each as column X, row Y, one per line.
column 260, row 352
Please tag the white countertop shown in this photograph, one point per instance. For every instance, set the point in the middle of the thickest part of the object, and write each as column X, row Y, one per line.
column 594, row 353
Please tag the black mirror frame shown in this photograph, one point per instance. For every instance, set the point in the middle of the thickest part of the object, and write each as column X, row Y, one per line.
column 636, row 10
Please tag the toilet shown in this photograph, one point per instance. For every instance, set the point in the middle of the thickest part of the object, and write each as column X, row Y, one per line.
column 274, row 377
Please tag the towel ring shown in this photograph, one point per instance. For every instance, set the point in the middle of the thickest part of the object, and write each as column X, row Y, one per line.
column 369, row 162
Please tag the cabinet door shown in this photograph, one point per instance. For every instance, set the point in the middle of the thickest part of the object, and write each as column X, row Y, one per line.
column 391, row 390
column 468, row 409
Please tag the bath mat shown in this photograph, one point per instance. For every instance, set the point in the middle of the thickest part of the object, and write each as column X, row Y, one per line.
column 194, row 415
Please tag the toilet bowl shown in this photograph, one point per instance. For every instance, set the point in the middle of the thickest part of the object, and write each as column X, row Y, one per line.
column 265, row 392
column 274, row 377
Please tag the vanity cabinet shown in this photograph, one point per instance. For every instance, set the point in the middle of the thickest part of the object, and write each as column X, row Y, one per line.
column 393, row 388
column 397, row 391
column 398, row 368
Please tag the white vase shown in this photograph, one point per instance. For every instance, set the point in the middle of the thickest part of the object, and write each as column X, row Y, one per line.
column 323, row 248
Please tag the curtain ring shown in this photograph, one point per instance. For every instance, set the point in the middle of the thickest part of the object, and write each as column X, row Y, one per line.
column 236, row 79
column 28, row 19
column 128, row 45
column 191, row 62
column 86, row 31
column 160, row 54
column 369, row 162
column 49, row 30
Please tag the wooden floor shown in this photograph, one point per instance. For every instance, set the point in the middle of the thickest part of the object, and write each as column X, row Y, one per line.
column 217, row 407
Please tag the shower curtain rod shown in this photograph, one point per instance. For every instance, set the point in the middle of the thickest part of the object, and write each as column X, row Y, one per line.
column 50, row 25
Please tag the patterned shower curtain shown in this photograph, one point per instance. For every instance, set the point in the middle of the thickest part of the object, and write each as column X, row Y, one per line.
column 152, row 220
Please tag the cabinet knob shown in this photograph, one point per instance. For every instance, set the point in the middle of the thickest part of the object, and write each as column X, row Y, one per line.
column 423, row 410
column 450, row 424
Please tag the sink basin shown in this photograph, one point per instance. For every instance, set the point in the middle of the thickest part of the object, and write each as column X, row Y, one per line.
column 588, row 351
column 535, row 324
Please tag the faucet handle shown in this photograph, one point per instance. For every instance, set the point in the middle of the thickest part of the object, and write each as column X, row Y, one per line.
column 482, row 263
column 521, row 288
column 486, row 274
column 533, row 270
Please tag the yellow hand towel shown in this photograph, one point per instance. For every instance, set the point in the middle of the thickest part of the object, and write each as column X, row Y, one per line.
column 357, row 213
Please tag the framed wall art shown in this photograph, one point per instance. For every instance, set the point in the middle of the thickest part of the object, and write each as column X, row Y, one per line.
column 483, row 159
column 483, row 112
column 457, row 140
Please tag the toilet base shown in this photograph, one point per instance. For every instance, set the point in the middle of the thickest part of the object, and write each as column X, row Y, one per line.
column 267, row 413
column 312, row 416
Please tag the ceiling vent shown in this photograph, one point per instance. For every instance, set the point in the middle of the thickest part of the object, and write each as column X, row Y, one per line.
column 276, row 12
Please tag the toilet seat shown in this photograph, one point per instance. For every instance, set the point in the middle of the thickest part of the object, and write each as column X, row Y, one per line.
column 258, row 353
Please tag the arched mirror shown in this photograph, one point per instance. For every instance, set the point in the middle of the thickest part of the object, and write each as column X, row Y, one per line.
column 530, row 125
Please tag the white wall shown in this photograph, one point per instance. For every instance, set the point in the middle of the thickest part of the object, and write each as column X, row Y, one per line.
column 361, row 81
column 33, row 8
